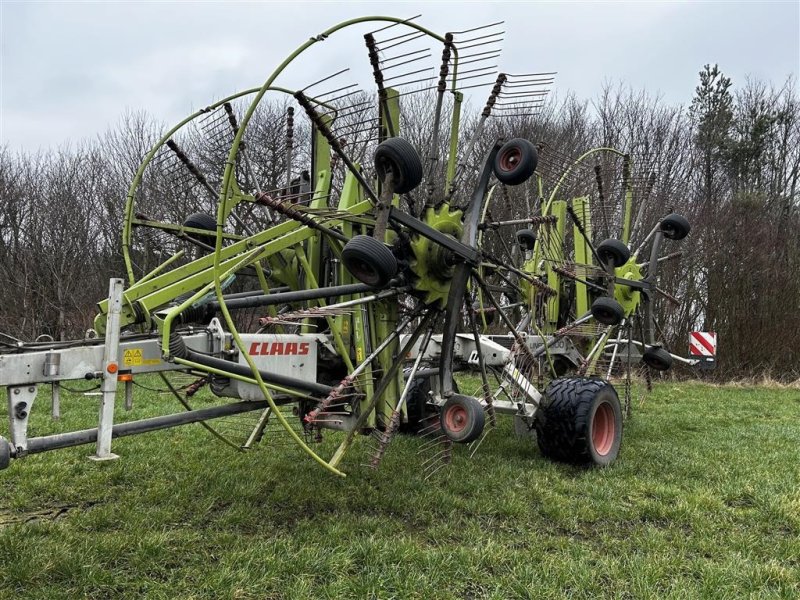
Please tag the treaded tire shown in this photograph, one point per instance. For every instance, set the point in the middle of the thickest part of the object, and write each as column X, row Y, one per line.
column 369, row 261
column 526, row 239
column 398, row 156
column 462, row 418
column 515, row 162
column 5, row 453
column 614, row 252
column 607, row 311
column 201, row 221
column 675, row 226
column 657, row 358
column 580, row 421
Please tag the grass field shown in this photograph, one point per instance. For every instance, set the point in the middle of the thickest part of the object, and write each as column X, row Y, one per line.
column 704, row 502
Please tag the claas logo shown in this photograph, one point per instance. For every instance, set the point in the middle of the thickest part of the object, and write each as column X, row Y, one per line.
column 278, row 349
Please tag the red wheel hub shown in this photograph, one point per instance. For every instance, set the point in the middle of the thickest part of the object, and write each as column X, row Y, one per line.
column 510, row 159
column 456, row 418
column 604, row 429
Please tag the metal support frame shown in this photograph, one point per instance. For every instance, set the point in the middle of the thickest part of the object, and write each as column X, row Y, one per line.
column 110, row 367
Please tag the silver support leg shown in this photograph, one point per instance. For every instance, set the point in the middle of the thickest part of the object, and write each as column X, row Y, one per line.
column 110, row 368
column 56, row 402
column 128, row 395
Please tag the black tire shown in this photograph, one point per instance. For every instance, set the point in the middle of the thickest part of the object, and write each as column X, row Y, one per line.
column 515, row 162
column 369, row 261
column 462, row 418
column 614, row 252
column 201, row 221
column 675, row 227
column 580, row 421
column 416, row 405
column 607, row 311
column 657, row 358
column 398, row 156
column 526, row 239
column 5, row 453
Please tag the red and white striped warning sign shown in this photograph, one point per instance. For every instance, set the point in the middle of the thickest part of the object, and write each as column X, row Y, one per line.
column 703, row 343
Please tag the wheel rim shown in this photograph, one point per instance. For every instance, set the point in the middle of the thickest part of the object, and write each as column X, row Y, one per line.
column 604, row 429
column 363, row 271
column 456, row 419
column 510, row 159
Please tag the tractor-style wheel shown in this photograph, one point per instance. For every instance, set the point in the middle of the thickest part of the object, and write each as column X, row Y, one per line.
column 607, row 311
column 614, row 252
column 398, row 156
column 657, row 358
column 462, row 418
column 675, row 227
column 580, row 421
column 515, row 162
column 369, row 261
column 201, row 221
column 5, row 453
column 526, row 239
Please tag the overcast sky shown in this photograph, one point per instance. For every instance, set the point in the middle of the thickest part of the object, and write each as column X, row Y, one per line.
column 68, row 70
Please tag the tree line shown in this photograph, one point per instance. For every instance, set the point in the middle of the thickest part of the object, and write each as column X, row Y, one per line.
column 729, row 161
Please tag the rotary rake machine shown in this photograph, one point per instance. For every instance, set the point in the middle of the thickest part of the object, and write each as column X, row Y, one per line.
column 383, row 289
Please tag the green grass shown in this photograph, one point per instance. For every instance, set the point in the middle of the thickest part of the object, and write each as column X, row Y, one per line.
column 704, row 502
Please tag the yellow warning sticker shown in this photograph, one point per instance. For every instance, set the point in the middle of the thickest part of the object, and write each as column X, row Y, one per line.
column 133, row 357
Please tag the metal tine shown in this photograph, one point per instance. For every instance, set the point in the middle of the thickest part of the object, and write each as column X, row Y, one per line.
column 504, row 108
column 321, row 97
column 525, row 112
column 401, row 83
column 405, row 62
column 397, row 37
column 490, row 67
column 431, row 443
column 475, row 39
column 433, row 427
column 429, row 68
column 478, row 28
column 400, row 43
column 324, row 79
column 474, row 76
column 479, row 44
column 437, row 462
column 417, row 91
column 474, row 446
column 347, row 107
column 353, row 128
column 215, row 116
column 524, row 93
column 528, row 75
column 433, row 432
column 439, row 454
column 485, row 58
column 392, row 58
column 476, row 85
column 531, row 83
column 432, row 473
column 521, row 100
column 357, row 133
column 475, row 54
column 214, row 126
column 403, row 22
column 358, row 110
